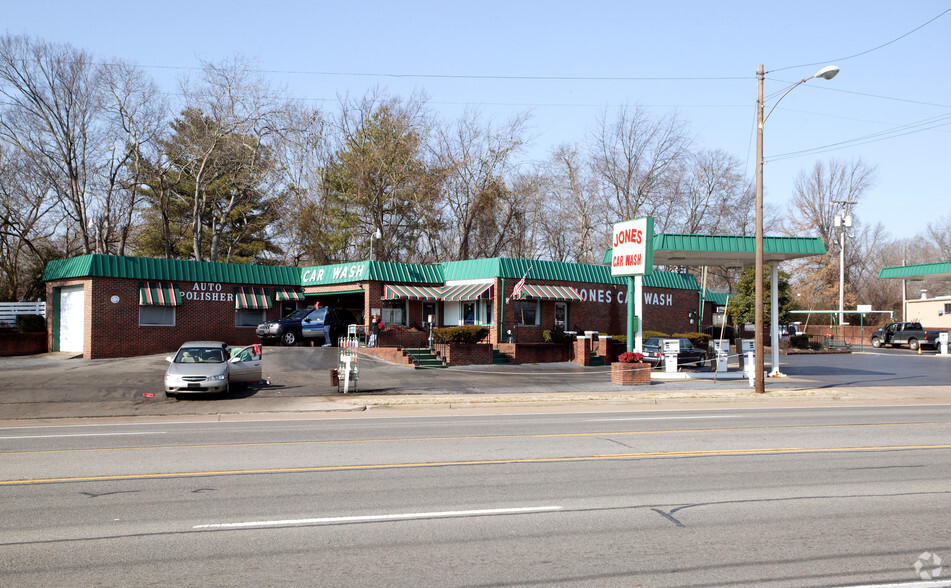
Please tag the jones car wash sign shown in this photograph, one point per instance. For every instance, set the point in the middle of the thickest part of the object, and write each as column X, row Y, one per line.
column 633, row 247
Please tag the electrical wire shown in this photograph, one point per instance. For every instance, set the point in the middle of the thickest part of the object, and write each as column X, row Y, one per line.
column 867, row 51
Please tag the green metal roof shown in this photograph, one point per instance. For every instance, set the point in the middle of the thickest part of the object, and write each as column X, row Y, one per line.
column 937, row 271
column 144, row 268
column 539, row 271
column 379, row 271
column 718, row 298
column 727, row 250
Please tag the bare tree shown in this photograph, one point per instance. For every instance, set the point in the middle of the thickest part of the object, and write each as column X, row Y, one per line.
column 571, row 227
column 818, row 197
column 476, row 162
column 223, row 131
column 136, row 114
column 52, row 113
column 635, row 157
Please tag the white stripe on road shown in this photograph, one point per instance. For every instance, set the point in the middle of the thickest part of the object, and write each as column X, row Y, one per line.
column 84, row 435
column 666, row 418
column 384, row 517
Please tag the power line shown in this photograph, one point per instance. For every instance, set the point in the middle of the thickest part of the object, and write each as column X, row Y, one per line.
column 867, row 51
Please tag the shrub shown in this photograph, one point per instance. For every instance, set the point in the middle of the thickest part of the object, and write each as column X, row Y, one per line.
column 556, row 335
column 801, row 341
column 31, row 323
column 464, row 334
column 630, row 357
column 622, row 339
column 698, row 339
column 648, row 334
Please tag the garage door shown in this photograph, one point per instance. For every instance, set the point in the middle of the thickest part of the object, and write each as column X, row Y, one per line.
column 71, row 306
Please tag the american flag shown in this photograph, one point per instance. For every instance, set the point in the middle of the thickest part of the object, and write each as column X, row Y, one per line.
column 520, row 285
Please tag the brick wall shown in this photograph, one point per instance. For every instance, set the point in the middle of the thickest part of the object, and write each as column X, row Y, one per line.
column 112, row 325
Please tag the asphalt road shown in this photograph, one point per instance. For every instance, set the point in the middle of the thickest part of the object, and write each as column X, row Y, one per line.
column 792, row 497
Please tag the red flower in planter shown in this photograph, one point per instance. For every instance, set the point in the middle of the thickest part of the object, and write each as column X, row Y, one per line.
column 630, row 357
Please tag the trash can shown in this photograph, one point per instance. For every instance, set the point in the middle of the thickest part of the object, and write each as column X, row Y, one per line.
column 334, row 378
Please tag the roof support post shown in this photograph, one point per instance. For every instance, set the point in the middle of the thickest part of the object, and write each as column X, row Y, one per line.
column 774, row 319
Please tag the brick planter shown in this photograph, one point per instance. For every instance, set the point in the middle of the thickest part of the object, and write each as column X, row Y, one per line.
column 630, row 373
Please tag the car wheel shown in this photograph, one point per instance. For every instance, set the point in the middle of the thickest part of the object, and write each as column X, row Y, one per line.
column 289, row 338
column 913, row 344
column 876, row 342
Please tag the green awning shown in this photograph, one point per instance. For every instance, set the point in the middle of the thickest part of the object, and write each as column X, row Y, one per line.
column 467, row 292
column 159, row 294
column 548, row 292
column 284, row 294
column 398, row 291
column 251, row 298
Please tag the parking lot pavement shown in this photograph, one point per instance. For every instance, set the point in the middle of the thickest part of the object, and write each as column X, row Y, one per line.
column 298, row 381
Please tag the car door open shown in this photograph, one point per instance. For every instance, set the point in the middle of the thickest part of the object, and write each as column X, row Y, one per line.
column 245, row 364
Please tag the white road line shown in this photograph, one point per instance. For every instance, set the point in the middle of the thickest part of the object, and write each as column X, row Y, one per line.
column 84, row 435
column 666, row 418
column 384, row 517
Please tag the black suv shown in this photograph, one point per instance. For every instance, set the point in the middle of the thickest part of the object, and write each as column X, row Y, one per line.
column 308, row 323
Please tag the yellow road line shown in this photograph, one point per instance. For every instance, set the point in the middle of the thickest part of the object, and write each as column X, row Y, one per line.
column 477, row 437
column 613, row 456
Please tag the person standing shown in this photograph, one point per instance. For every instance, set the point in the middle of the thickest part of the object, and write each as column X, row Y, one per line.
column 375, row 325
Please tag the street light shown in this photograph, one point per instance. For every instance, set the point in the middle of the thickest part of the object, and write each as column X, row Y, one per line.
column 376, row 234
column 826, row 73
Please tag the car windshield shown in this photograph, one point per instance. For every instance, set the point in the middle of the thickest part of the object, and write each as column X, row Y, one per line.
column 686, row 344
column 200, row 355
column 300, row 313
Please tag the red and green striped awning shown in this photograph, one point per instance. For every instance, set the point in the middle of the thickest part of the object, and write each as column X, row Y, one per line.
column 159, row 294
column 465, row 292
column 397, row 291
column 282, row 294
column 548, row 292
column 251, row 298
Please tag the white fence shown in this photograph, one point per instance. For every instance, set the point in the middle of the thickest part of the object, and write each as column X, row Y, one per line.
column 10, row 310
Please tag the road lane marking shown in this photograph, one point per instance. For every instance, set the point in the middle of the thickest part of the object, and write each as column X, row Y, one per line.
column 480, row 437
column 83, row 435
column 383, row 517
column 663, row 418
column 476, row 462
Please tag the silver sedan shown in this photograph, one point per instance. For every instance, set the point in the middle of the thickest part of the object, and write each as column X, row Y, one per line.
column 211, row 366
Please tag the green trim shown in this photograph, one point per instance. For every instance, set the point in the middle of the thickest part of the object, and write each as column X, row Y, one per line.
column 921, row 271
column 332, row 293
column 55, row 318
column 144, row 268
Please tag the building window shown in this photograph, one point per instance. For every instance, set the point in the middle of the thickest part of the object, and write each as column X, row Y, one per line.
column 526, row 312
column 394, row 312
column 947, row 309
column 157, row 316
column 248, row 317
column 468, row 313
column 488, row 312
column 561, row 315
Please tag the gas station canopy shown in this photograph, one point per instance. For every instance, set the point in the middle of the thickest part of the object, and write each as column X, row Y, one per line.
column 727, row 250
column 936, row 271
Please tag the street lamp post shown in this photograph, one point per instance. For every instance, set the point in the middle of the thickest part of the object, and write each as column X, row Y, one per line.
column 375, row 234
column 826, row 73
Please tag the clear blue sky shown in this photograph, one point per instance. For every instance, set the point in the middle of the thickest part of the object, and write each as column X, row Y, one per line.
column 695, row 58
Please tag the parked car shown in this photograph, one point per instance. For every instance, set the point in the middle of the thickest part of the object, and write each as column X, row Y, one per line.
column 211, row 366
column 910, row 334
column 689, row 356
column 308, row 323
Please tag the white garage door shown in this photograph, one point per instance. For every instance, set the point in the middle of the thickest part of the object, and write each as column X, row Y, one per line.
column 71, row 305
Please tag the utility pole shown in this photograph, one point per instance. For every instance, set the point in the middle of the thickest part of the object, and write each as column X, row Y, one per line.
column 843, row 220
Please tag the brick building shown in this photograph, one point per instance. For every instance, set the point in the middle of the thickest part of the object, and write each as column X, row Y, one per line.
column 111, row 306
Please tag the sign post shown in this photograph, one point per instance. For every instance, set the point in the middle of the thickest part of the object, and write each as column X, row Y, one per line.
column 862, row 308
column 632, row 256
